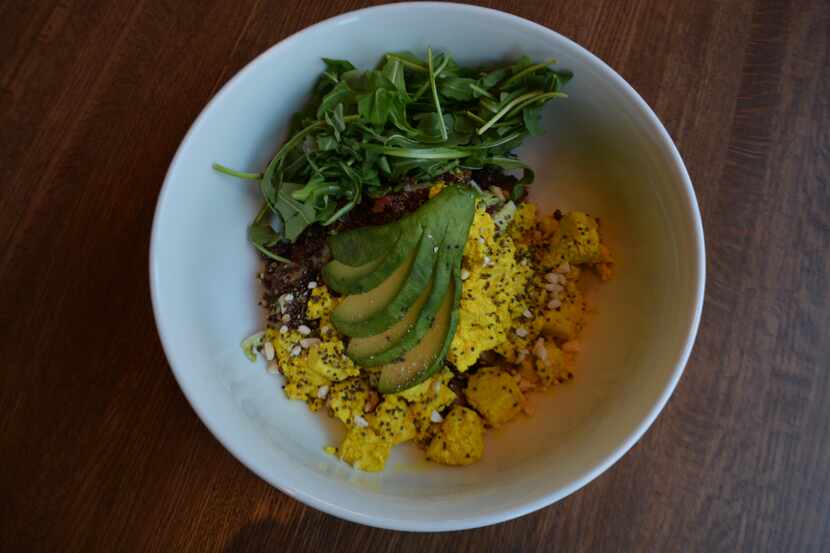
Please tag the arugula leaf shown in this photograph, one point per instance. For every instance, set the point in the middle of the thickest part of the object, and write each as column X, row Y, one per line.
column 531, row 117
column 262, row 235
column 458, row 88
column 340, row 94
column 296, row 215
column 337, row 67
column 393, row 70
column 494, row 77
column 376, row 106
column 364, row 131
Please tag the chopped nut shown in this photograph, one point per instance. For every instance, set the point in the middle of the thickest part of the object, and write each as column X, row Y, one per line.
column 306, row 343
column 322, row 392
column 554, row 278
column 304, row 330
column 268, row 351
column 540, row 351
column 361, row 422
column 435, row 416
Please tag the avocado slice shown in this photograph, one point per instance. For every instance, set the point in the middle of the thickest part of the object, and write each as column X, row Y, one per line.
column 346, row 279
column 371, row 313
column 423, row 360
column 402, row 308
column 363, row 350
column 387, row 346
column 361, row 246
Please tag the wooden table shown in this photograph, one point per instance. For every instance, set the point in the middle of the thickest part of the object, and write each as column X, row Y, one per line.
column 99, row 451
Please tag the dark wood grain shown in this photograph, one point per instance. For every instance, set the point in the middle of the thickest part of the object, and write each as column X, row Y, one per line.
column 99, row 451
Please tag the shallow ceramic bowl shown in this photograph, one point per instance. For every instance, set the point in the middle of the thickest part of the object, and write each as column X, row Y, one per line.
column 604, row 152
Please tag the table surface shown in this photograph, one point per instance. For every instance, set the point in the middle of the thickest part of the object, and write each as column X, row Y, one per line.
column 101, row 452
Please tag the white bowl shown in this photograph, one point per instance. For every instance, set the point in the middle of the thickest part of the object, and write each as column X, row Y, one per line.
column 604, row 151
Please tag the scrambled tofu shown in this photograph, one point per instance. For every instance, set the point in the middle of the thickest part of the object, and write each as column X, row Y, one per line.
column 320, row 304
column 576, row 241
column 565, row 321
column 549, row 362
column 392, row 420
column 493, row 292
column 460, row 438
column 520, row 306
column 347, row 400
column 439, row 397
column 523, row 225
column 494, row 393
column 364, row 449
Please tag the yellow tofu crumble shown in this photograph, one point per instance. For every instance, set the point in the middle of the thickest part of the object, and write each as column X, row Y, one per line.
column 495, row 394
column 520, row 315
column 459, row 440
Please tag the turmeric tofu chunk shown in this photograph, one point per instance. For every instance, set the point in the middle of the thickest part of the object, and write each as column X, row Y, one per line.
column 347, row 399
column 392, row 420
column 329, row 360
column 550, row 361
column 460, row 438
column 364, row 449
column 565, row 321
column 576, row 241
column 580, row 232
column 423, row 412
column 495, row 394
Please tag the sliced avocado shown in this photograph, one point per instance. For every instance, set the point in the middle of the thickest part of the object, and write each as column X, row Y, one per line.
column 363, row 350
column 385, row 347
column 363, row 245
column 371, row 313
column 346, row 279
column 402, row 308
column 421, row 362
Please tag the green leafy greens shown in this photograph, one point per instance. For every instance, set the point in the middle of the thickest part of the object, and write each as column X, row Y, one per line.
column 364, row 133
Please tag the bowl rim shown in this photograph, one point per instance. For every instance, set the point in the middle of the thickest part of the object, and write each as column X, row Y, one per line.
column 502, row 514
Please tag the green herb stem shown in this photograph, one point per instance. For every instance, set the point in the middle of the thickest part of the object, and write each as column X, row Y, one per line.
column 422, row 153
column 442, row 126
column 504, row 110
column 234, row 173
column 526, row 71
column 407, row 63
